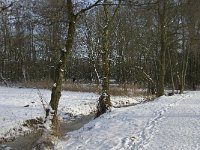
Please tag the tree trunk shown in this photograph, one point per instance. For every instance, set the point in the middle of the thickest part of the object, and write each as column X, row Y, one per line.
column 104, row 103
column 184, row 62
column 104, row 100
column 96, row 74
column 162, row 59
column 171, row 73
column 60, row 69
column 56, row 90
column 184, row 71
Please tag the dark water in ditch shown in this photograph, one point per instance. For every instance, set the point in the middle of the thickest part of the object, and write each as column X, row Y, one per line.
column 27, row 142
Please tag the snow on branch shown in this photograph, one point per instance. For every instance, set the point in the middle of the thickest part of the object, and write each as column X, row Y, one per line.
column 49, row 112
column 146, row 75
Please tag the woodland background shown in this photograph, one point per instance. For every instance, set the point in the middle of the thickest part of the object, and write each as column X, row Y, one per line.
column 33, row 32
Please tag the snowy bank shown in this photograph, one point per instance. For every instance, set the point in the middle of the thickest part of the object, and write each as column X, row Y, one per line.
column 20, row 104
column 168, row 123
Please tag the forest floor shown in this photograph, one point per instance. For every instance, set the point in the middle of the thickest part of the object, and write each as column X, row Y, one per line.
column 167, row 123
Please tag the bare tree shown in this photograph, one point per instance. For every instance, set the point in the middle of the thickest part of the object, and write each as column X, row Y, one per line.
column 104, row 103
column 73, row 17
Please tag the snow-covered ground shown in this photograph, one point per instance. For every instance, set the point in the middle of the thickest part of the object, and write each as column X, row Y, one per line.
column 20, row 104
column 168, row 123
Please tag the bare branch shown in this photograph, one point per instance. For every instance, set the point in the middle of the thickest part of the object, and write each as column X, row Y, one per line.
column 3, row 8
column 116, row 9
column 88, row 8
column 147, row 77
column 128, row 4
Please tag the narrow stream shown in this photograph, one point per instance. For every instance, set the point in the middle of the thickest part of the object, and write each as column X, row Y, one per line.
column 27, row 142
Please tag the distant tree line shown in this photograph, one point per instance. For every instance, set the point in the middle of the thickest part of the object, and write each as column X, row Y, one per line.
column 151, row 43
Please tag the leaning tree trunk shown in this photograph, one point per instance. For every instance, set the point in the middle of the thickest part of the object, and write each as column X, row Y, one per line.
column 56, row 90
